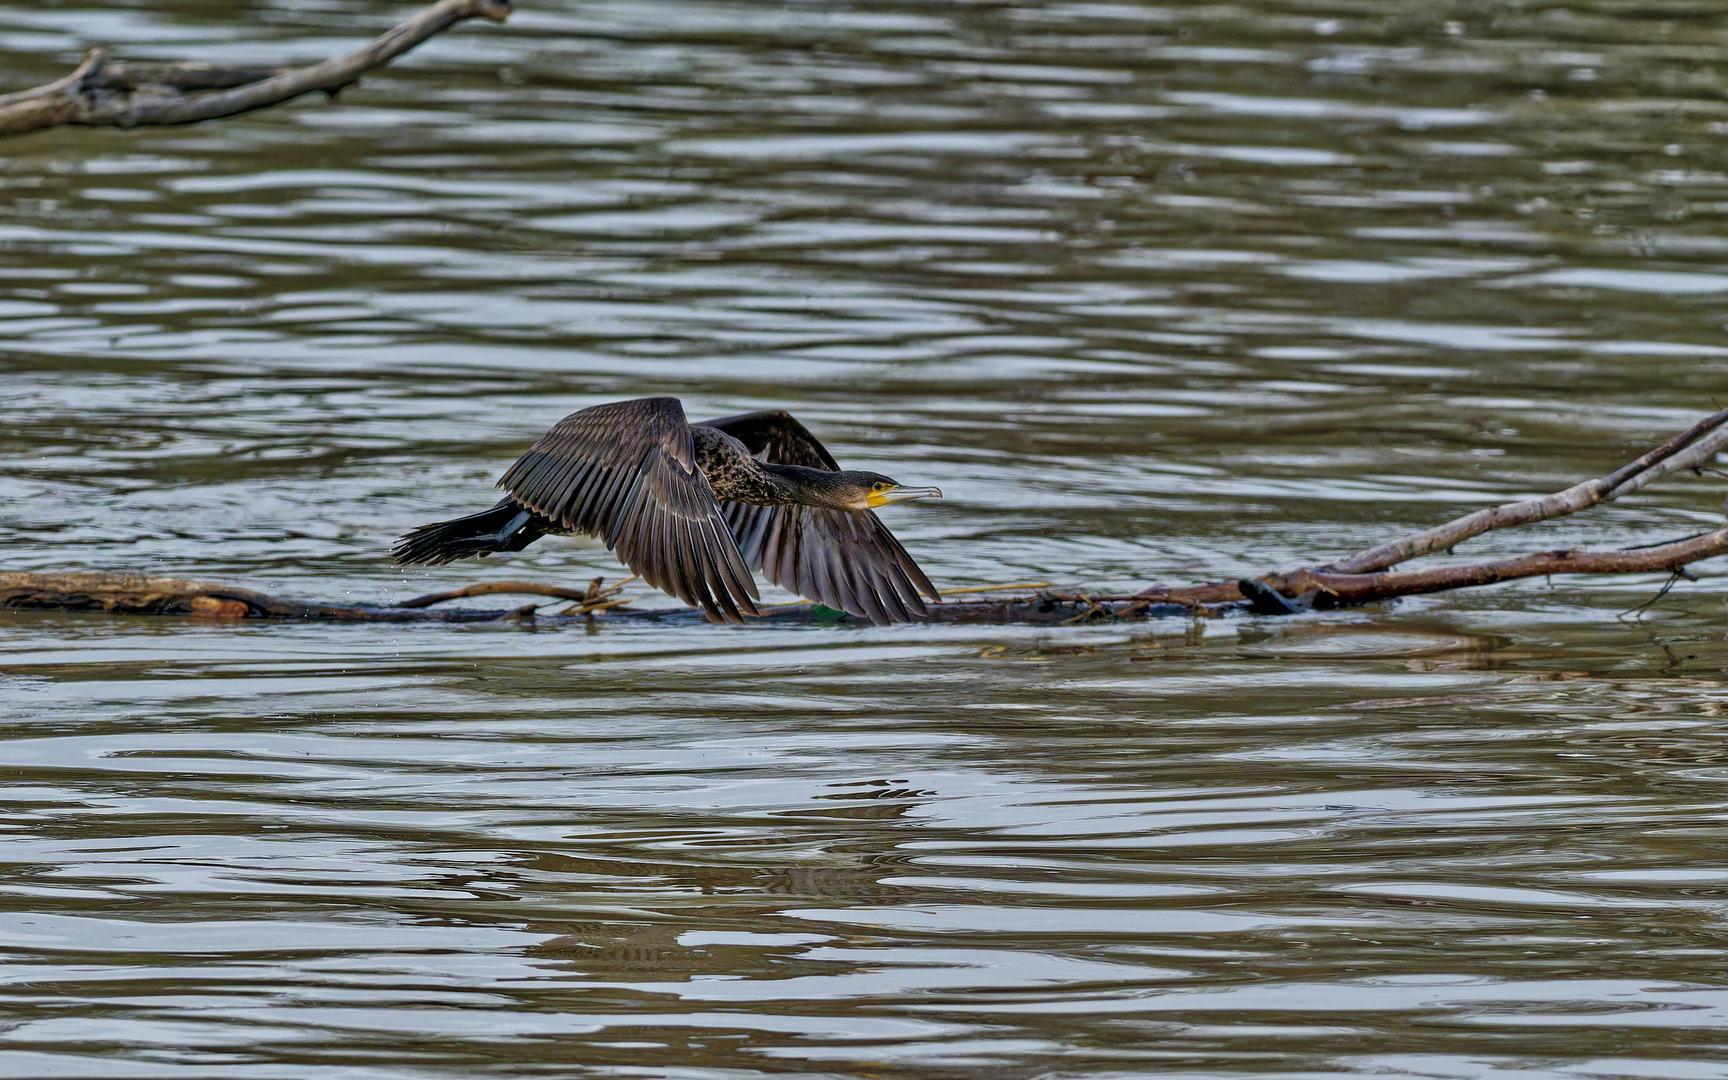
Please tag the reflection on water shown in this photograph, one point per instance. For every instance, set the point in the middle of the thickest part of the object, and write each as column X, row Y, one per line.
column 1152, row 293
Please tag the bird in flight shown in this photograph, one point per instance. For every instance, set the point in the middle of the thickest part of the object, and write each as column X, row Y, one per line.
column 695, row 508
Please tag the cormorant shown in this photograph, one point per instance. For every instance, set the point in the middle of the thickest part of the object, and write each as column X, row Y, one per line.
column 694, row 508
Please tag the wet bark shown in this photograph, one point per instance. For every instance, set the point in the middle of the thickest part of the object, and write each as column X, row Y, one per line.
column 104, row 92
column 128, row 594
column 135, row 594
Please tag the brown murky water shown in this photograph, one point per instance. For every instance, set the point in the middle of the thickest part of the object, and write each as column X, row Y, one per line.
column 1152, row 292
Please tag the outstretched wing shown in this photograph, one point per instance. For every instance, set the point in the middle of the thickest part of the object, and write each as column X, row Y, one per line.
column 848, row 561
column 626, row 473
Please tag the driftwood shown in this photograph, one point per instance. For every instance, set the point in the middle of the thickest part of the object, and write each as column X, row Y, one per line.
column 106, row 92
column 133, row 594
column 126, row 594
column 1361, row 578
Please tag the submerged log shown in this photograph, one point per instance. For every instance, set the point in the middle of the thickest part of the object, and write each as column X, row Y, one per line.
column 134, row 594
column 105, row 92
column 1360, row 579
column 137, row 594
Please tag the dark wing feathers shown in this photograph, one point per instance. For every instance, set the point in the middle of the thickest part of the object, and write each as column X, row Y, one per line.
column 626, row 473
column 847, row 561
column 777, row 437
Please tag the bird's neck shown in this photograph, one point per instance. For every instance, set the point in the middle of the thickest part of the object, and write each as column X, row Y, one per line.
column 796, row 484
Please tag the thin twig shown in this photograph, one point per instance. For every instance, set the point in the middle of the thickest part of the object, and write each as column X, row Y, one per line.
column 592, row 599
column 1660, row 593
column 488, row 588
column 1676, row 540
column 1092, row 609
column 994, row 588
column 595, row 608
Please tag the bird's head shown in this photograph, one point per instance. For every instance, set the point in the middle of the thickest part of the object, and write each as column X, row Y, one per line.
column 868, row 490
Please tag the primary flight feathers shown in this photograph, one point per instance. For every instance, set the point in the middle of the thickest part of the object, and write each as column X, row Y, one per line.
column 694, row 508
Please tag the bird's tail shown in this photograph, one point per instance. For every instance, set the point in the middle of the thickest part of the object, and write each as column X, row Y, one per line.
column 509, row 526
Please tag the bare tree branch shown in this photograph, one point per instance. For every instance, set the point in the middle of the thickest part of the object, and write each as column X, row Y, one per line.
column 491, row 588
column 1690, row 448
column 102, row 91
column 1361, row 588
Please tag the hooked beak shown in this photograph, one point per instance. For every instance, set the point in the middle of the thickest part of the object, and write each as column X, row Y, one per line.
column 902, row 494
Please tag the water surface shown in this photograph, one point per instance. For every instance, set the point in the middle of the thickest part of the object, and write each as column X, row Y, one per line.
column 1154, row 293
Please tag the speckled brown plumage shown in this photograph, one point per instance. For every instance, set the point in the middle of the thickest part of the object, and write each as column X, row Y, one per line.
column 732, row 473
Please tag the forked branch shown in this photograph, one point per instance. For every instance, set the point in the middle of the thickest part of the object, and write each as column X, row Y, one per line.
column 1364, row 577
column 106, row 92
column 1687, row 450
column 1342, row 589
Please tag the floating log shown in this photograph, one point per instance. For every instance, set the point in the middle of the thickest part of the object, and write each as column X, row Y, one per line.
column 133, row 594
column 136, row 594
